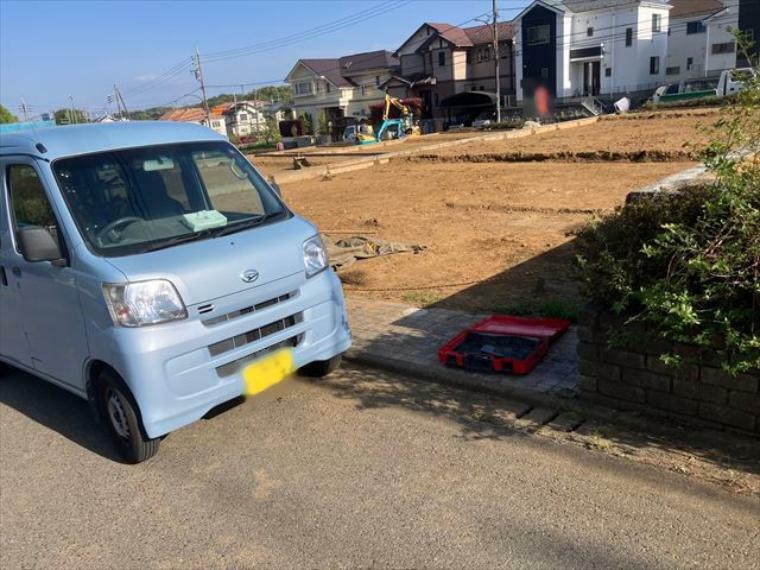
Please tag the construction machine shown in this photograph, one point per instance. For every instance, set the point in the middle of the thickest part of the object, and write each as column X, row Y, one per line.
column 389, row 128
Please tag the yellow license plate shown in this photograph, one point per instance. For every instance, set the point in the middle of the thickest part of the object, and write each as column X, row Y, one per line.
column 268, row 371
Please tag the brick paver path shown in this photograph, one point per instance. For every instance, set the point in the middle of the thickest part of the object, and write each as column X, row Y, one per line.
column 411, row 337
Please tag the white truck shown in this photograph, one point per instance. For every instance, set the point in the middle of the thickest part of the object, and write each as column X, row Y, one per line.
column 730, row 81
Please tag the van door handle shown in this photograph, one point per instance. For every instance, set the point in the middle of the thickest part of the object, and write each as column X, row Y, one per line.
column 16, row 271
column 3, row 277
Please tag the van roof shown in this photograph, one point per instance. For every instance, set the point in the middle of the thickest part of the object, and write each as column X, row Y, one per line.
column 56, row 142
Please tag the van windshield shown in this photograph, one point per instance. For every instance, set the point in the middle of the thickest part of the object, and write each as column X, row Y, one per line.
column 142, row 199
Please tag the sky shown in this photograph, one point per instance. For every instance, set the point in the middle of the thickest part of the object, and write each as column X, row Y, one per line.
column 53, row 50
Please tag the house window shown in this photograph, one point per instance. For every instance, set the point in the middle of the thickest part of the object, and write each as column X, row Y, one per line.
column 675, row 70
column 216, row 124
column 608, row 72
column 656, row 23
column 589, row 31
column 243, row 117
column 727, row 47
column 689, row 63
column 469, row 56
column 654, row 65
column 377, row 81
column 539, row 35
column 504, row 50
column 328, row 87
column 303, row 88
column 695, row 28
column 628, row 37
column 441, row 58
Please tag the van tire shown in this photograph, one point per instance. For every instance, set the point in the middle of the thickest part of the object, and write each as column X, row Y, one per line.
column 320, row 368
column 122, row 419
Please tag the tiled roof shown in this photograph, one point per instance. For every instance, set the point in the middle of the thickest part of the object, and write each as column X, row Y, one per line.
column 468, row 37
column 378, row 59
column 484, row 34
column 694, row 8
column 329, row 68
column 453, row 34
column 189, row 115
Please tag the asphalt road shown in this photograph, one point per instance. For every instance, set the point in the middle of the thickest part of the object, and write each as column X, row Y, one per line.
column 361, row 470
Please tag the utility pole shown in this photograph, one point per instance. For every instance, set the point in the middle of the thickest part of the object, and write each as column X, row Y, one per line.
column 120, row 102
column 198, row 71
column 72, row 117
column 496, row 56
column 24, row 110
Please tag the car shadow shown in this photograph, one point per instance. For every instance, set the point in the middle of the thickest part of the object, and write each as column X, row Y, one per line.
column 56, row 409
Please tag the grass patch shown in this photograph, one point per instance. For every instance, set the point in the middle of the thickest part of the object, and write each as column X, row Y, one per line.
column 421, row 298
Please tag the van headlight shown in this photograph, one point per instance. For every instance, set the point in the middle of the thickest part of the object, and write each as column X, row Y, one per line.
column 314, row 256
column 143, row 303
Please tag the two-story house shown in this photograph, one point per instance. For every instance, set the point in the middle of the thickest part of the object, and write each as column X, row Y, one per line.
column 243, row 118
column 335, row 90
column 603, row 48
column 701, row 42
column 440, row 61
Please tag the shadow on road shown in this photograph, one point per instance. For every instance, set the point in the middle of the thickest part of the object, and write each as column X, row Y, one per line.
column 482, row 416
column 57, row 410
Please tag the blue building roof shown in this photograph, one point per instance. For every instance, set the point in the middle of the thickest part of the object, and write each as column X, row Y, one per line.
column 84, row 139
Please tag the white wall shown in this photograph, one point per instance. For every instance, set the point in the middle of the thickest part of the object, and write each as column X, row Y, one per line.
column 699, row 46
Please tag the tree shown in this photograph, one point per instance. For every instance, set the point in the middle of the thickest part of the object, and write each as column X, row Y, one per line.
column 308, row 127
column 271, row 131
column 6, row 116
column 68, row 116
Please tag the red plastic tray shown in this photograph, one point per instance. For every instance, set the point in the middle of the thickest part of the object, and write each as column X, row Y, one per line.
column 541, row 331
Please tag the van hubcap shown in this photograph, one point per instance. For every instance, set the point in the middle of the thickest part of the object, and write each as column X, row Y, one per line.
column 117, row 415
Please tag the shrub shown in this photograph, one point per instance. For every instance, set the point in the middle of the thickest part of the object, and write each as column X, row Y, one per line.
column 687, row 265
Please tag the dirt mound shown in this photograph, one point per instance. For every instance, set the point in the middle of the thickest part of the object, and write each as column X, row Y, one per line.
column 562, row 156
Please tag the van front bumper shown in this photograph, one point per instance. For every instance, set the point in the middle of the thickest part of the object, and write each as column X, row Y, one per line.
column 179, row 371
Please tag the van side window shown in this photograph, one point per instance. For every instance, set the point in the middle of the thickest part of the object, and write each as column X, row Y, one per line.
column 28, row 202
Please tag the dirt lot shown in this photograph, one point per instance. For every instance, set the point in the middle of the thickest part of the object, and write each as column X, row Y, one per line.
column 497, row 234
column 507, row 223
column 669, row 134
column 272, row 164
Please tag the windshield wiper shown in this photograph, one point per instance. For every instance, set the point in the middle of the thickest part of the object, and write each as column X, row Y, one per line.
column 243, row 224
column 163, row 244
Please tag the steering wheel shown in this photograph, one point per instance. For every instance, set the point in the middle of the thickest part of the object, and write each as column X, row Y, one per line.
column 111, row 227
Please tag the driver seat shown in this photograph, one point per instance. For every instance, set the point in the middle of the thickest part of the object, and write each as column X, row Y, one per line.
column 153, row 198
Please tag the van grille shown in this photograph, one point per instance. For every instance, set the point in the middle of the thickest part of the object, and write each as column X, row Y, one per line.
column 233, row 367
column 245, row 310
column 253, row 335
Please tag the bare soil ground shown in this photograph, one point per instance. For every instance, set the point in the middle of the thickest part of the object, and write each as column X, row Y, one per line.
column 667, row 134
column 497, row 234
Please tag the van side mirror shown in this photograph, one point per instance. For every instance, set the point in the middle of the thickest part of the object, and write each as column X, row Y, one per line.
column 37, row 244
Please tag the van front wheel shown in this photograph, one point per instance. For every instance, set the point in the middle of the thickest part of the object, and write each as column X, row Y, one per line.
column 320, row 368
column 119, row 412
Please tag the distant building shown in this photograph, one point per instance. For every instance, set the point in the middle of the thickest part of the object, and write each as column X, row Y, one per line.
column 701, row 43
column 196, row 115
column 341, row 88
column 577, row 48
column 440, row 61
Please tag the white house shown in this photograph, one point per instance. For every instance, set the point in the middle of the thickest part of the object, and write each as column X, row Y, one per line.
column 701, row 43
column 245, row 118
column 591, row 47
column 340, row 88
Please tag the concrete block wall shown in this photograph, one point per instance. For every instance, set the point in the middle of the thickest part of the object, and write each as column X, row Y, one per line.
column 634, row 378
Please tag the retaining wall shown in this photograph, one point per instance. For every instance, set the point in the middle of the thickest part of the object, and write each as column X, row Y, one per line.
column 634, row 378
